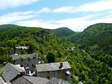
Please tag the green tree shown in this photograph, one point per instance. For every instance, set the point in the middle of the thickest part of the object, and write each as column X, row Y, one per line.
column 50, row 57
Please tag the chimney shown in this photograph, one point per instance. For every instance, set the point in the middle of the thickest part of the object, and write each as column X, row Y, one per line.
column 61, row 65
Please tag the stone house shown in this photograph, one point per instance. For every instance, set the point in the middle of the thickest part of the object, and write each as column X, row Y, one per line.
column 12, row 71
column 15, row 74
column 51, row 70
column 26, row 60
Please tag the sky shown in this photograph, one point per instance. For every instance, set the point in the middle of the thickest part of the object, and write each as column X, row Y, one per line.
column 74, row 14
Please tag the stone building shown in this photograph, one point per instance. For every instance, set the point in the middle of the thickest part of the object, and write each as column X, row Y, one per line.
column 26, row 60
column 51, row 70
column 15, row 74
column 12, row 71
column 52, row 73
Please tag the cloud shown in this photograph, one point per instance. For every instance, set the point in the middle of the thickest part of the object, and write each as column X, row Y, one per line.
column 97, row 6
column 30, row 18
column 27, row 18
column 69, row 9
column 5, row 4
column 39, row 23
column 16, row 16
column 44, row 10
column 76, row 24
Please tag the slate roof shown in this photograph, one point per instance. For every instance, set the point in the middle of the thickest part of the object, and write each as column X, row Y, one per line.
column 36, row 80
column 24, row 56
column 52, row 67
column 11, row 71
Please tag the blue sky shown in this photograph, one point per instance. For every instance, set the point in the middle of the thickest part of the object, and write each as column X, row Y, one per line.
column 75, row 14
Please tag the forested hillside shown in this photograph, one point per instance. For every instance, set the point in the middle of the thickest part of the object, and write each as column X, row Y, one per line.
column 85, row 56
column 39, row 40
column 65, row 33
column 97, row 41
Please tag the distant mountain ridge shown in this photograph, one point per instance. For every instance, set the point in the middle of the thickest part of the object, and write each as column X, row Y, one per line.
column 65, row 32
column 96, row 33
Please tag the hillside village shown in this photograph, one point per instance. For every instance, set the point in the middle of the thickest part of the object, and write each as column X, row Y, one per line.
column 55, row 42
column 28, row 69
column 30, row 55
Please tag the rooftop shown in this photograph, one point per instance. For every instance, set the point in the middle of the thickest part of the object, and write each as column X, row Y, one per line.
column 52, row 66
column 11, row 71
column 24, row 56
